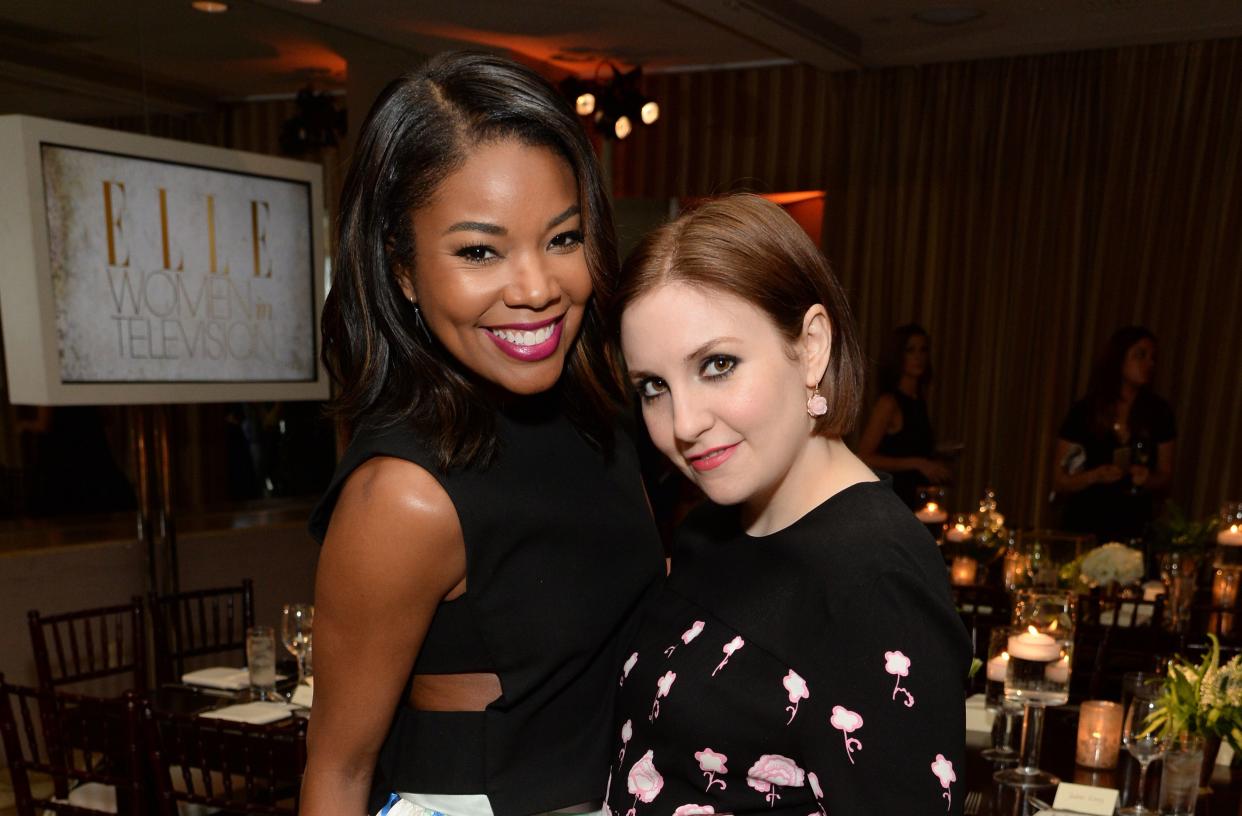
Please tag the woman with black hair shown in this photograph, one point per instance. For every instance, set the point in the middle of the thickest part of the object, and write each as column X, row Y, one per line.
column 898, row 436
column 1115, row 448
column 486, row 540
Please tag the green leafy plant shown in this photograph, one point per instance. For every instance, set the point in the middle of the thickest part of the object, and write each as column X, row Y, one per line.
column 1176, row 532
column 1202, row 700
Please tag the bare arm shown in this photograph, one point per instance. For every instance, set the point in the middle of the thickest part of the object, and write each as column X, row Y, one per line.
column 885, row 413
column 393, row 551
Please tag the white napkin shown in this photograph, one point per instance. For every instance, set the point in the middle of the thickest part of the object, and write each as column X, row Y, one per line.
column 978, row 718
column 253, row 713
column 218, row 677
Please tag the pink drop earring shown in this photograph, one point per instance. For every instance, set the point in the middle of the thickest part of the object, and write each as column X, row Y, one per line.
column 817, row 406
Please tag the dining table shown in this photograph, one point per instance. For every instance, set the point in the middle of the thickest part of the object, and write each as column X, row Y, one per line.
column 985, row 797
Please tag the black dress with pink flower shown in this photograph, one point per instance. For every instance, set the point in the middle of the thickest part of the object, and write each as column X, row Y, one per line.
column 820, row 669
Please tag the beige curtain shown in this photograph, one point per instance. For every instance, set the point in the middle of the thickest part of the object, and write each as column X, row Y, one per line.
column 1022, row 209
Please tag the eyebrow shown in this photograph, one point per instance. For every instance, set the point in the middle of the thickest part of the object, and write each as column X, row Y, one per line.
column 496, row 229
column 637, row 376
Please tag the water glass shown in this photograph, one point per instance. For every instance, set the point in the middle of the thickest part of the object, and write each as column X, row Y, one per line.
column 261, row 661
column 1179, row 781
column 295, row 632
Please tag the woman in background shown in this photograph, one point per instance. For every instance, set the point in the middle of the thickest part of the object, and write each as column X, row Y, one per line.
column 898, row 436
column 1115, row 449
column 805, row 655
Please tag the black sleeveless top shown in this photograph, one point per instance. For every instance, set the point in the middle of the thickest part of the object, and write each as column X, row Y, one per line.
column 914, row 439
column 560, row 550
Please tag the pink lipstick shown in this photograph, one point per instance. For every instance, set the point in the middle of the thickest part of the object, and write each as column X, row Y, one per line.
column 528, row 342
column 712, row 459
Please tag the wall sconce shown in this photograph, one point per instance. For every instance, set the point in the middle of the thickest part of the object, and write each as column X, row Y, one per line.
column 615, row 105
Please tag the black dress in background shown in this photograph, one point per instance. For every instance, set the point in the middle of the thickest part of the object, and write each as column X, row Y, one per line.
column 1117, row 511
column 915, row 439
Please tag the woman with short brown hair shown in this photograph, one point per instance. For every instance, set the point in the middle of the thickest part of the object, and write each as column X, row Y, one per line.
column 805, row 649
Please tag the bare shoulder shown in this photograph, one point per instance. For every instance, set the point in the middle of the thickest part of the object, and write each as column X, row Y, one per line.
column 394, row 527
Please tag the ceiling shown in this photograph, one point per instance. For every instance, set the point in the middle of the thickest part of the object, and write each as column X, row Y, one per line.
column 91, row 58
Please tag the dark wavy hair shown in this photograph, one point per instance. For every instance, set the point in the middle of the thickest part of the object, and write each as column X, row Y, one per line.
column 419, row 131
column 893, row 359
column 749, row 247
column 1104, row 387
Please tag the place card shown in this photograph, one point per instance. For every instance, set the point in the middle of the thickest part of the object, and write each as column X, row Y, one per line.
column 1086, row 799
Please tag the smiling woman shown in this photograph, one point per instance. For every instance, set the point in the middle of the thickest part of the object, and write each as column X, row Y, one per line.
column 807, row 574
column 485, row 539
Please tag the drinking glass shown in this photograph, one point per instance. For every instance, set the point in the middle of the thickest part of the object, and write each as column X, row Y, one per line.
column 1179, row 779
column 1005, row 712
column 1142, row 744
column 1040, row 646
column 295, row 633
column 261, row 661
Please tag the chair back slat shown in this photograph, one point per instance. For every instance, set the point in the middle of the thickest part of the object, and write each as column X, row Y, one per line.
column 96, row 740
column 90, row 644
column 238, row 767
column 198, row 623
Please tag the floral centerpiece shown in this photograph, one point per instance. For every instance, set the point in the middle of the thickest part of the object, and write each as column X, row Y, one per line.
column 1203, row 700
column 1111, row 563
column 1174, row 532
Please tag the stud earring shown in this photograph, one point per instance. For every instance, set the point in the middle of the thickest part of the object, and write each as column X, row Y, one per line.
column 817, row 406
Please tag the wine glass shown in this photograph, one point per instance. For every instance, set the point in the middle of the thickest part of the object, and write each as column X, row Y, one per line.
column 295, row 633
column 1143, row 744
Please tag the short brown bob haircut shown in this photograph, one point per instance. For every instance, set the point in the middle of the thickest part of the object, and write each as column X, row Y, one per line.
column 749, row 247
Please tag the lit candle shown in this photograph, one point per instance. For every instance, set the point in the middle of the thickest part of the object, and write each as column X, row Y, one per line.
column 931, row 514
column 1059, row 671
column 1225, row 586
column 1231, row 536
column 963, row 571
column 958, row 533
column 1034, row 645
column 1099, row 734
column 997, row 667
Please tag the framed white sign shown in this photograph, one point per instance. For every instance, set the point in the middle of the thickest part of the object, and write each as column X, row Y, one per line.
column 141, row 270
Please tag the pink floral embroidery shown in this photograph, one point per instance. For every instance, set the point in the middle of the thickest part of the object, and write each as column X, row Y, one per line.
column 771, row 771
column 943, row 769
column 662, row 688
column 847, row 721
column 629, row 665
column 798, row 692
column 627, row 731
column 728, row 649
column 712, row 763
column 644, row 781
column 817, row 790
column 694, row 810
column 898, row 664
column 690, row 634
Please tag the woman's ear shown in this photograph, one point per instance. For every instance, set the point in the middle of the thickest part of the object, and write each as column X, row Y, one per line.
column 816, row 343
column 405, row 281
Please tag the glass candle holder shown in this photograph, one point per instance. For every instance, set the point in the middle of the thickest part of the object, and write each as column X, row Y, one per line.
column 959, row 530
column 1229, row 533
column 1005, row 712
column 1040, row 646
column 1099, row 734
column 931, row 506
column 964, row 571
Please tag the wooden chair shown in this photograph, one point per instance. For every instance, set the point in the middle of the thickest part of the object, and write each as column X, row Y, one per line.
column 198, row 623
column 71, row 754
column 237, row 767
column 90, row 644
column 1115, row 636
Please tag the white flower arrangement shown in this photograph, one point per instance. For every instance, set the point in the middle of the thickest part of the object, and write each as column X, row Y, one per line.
column 1112, row 563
